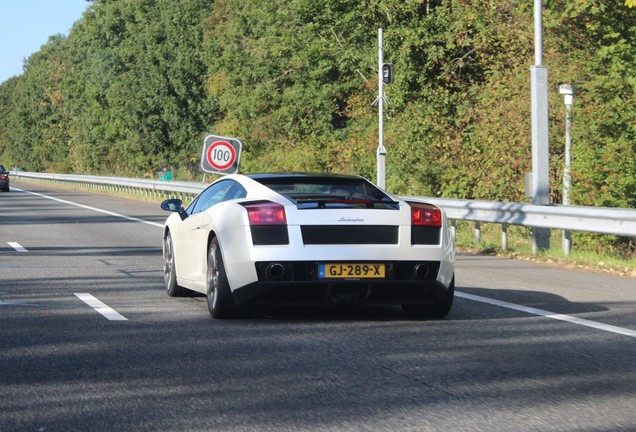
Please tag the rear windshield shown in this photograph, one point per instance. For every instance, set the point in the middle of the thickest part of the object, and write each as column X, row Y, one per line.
column 329, row 192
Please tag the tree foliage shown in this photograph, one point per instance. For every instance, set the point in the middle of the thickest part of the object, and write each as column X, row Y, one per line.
column 137, row 83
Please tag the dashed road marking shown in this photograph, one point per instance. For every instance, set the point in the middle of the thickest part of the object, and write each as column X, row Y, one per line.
column 101, row 307
column 17, row 246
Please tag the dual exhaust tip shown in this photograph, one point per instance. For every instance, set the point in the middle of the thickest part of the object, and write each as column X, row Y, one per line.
column 421, row 271
column 276, row 271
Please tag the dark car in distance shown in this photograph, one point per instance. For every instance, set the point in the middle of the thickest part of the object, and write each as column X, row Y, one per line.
column 4, row 179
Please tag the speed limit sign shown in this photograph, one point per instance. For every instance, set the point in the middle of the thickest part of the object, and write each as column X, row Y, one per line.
column 220, row 154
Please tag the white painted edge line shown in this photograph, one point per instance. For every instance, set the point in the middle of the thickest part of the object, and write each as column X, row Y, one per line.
column 17, row 246
column 100, row 307
column 548, row 314
column 130, row 218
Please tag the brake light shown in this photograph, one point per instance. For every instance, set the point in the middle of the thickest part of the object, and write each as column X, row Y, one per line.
column 266, row 214
column 426, row 215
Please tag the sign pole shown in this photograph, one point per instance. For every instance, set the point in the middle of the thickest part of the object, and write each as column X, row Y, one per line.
column 381, row 152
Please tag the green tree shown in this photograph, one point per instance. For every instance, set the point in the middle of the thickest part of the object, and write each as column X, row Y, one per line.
column 9, row 124
column 282, row 75
column 137, row 85
column 38, row 133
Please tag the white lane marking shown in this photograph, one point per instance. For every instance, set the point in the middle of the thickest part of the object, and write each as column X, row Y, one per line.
column 17, row 246
column 548, row 314
column 100, row 307
column 130, row 218
column 526, row 309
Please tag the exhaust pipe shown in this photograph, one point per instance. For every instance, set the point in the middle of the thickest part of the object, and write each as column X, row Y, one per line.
column 275, row 271
column 421, row 271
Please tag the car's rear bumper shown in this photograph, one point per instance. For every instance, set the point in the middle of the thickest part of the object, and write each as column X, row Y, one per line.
column 298, row 283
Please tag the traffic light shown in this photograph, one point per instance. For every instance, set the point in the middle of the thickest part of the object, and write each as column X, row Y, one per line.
column 387, row 73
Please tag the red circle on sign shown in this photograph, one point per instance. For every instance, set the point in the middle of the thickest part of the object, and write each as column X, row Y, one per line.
column 221, row 155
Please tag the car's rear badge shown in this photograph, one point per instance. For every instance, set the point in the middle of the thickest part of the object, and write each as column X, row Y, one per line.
column 343, row 219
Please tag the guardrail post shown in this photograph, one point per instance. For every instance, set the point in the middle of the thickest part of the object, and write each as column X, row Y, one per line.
column 477, row 232
column 504, row 237
column 567, row 242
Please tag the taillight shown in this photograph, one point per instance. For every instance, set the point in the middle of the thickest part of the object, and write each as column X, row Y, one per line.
column 425, row 215
column 268, row 223
column 266, row 214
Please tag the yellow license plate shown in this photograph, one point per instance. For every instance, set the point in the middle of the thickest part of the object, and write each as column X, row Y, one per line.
column 351, row 271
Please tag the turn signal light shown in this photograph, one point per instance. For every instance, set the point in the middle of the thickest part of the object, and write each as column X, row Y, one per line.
column 426, row 215
column 266, row 214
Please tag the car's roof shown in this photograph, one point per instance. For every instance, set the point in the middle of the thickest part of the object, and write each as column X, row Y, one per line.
column 301, row 175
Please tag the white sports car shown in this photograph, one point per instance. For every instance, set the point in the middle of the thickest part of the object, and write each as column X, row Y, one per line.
column 300, row 239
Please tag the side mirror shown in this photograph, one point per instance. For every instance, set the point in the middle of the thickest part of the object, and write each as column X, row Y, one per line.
column 174, row 205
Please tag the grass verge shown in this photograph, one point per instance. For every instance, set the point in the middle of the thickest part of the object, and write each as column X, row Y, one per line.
column 519, row 245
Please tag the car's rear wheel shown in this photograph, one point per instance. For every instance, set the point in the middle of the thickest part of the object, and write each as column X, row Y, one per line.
column 435, row 310
column 220, row 300
column 169, row 273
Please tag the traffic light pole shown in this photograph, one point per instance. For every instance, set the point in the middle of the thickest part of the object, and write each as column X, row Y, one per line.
column 567, row 90
column 381, row 151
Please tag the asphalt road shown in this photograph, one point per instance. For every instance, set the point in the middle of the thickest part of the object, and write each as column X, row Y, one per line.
column 526, row 347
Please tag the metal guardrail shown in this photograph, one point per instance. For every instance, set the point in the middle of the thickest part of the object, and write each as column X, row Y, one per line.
column 599, row 220
column 153, row 188
column 621, row 222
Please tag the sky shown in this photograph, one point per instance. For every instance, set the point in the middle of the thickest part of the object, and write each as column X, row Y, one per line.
column 25, row 25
